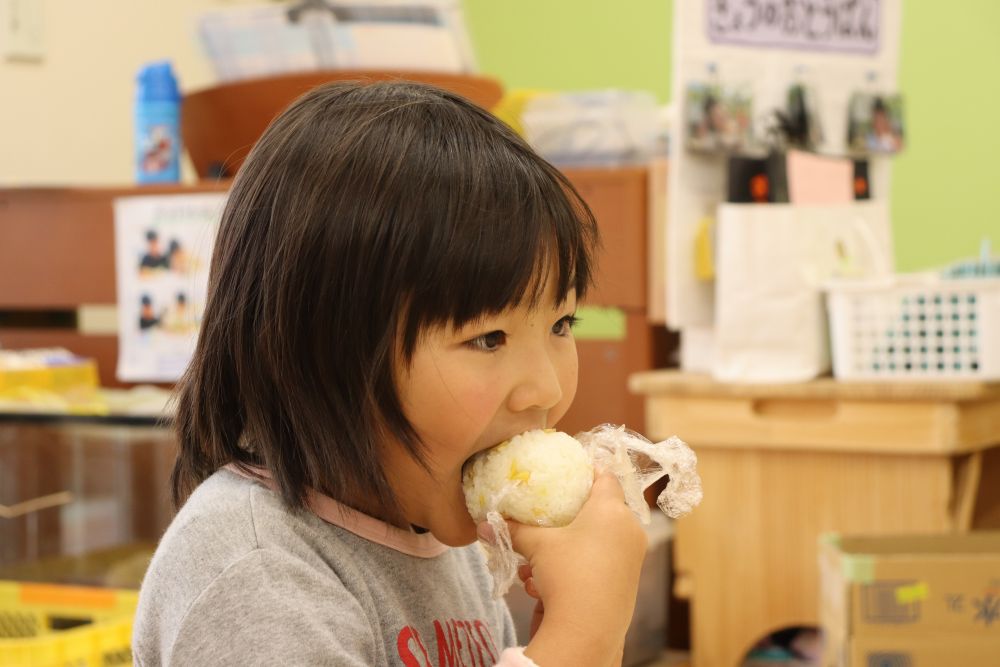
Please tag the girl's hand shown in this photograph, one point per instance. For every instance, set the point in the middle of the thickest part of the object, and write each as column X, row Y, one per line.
column 524, row 573
column 586, row 576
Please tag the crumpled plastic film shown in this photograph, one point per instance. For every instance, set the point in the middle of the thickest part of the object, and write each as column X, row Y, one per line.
column 637, row 463
column 501, row 559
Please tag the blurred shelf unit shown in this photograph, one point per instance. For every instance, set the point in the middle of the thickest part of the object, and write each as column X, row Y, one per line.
column 57, row 268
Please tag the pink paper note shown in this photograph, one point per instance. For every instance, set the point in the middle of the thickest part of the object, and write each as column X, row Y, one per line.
column 816, row 179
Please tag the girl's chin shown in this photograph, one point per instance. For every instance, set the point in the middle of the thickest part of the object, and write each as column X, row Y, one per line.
column 456, row 533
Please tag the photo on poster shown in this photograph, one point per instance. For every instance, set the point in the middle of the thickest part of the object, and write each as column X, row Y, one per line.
column 718, row 118
column 167, row 254
column 163, row 246
column 798, row 125
column 167, row 310
column 875, row 124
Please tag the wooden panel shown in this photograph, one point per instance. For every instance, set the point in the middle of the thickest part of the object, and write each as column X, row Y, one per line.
column 750, row 548
column 986, row 515
column 26, row 459
column 618, row 199
column 117, row 477
column 823, row 424
column 977, row 423
column 57, row 245
column 49, row 240
column 602, row 393
column 657, row 235
column 220, row 124
column 680, row 383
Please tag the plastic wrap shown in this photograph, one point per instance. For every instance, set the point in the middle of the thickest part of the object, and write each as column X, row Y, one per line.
column 637, row 463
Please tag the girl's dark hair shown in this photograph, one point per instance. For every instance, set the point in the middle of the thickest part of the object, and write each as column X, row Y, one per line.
column 365, row 214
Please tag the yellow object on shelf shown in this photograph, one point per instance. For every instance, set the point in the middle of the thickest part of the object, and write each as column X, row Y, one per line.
column 512, row 105
column 80, row 374
column 704, row 249
column 52, row 380
column 42, row 625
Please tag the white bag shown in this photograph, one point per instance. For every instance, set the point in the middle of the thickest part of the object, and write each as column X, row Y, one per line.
column 772, row 260
column 598, row 127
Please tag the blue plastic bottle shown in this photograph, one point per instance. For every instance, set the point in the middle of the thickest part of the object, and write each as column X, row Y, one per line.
column 157, row 125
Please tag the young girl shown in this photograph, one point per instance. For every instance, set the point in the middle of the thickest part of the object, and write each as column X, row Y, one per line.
column 392, row 290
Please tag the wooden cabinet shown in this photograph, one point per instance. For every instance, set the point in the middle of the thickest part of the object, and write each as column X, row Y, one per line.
column 57, row 245
column 57, row 255
column 98, row 483
column 781, row 465
column 621, row 200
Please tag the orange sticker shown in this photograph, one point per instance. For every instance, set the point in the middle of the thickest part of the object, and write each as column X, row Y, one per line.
column 67, row 596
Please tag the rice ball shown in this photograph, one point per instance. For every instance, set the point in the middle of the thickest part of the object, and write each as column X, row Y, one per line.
column 537, row 477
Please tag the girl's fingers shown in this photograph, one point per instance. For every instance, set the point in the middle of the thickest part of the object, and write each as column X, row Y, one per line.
column 485, row 532
column 525, row 539
column 606, row 485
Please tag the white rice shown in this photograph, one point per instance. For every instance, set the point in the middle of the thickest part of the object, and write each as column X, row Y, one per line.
column 538, row 477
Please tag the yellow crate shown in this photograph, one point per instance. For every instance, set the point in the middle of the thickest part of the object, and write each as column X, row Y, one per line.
column 43, row 625
column 81, row 374
column 71, row 387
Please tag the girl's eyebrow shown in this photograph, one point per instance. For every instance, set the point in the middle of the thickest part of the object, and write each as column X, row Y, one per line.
column 477, row 325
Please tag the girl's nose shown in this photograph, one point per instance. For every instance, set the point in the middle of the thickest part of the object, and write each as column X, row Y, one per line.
column 540, row 386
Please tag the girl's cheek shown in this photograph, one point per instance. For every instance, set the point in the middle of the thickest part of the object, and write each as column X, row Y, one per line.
column 479, row 398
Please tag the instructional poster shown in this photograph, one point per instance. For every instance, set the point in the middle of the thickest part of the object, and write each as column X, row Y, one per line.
column 163, row 246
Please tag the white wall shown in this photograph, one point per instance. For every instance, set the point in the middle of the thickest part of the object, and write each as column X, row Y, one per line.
column 68, row 119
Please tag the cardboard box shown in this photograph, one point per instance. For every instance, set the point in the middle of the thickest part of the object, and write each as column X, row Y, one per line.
column 925, row 601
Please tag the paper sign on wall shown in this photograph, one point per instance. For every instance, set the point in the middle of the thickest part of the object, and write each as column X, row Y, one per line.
column 817, row 25
column 163, row 246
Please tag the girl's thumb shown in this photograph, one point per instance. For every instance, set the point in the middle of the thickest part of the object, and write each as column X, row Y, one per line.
column 524, row 538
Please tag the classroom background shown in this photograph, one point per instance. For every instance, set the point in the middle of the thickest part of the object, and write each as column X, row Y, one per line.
column 851, row 509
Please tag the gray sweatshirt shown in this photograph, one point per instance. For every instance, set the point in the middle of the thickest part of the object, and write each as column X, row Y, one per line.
column 239, row 579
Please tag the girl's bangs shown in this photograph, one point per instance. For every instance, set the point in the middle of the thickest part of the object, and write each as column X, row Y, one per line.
column 503, row 252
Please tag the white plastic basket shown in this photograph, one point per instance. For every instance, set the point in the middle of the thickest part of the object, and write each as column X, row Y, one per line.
column 915, row 326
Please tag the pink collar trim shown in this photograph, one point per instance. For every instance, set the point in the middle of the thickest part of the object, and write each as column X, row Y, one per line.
column 412, row 544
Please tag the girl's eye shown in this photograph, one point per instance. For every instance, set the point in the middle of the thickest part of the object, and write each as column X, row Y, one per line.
column 565, row 325
column 489, row 342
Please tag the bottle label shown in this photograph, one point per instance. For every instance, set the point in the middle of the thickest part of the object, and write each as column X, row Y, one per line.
column 158, row 149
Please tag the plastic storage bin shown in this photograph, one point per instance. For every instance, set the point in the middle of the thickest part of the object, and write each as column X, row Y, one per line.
column 61, row 626
column 916, row 326
column 108, row 483
column 47, row 379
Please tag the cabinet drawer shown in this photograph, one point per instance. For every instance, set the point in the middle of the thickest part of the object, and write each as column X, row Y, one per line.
column 876, row 426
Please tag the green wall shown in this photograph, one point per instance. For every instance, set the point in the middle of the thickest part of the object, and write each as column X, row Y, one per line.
column 946, row 187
